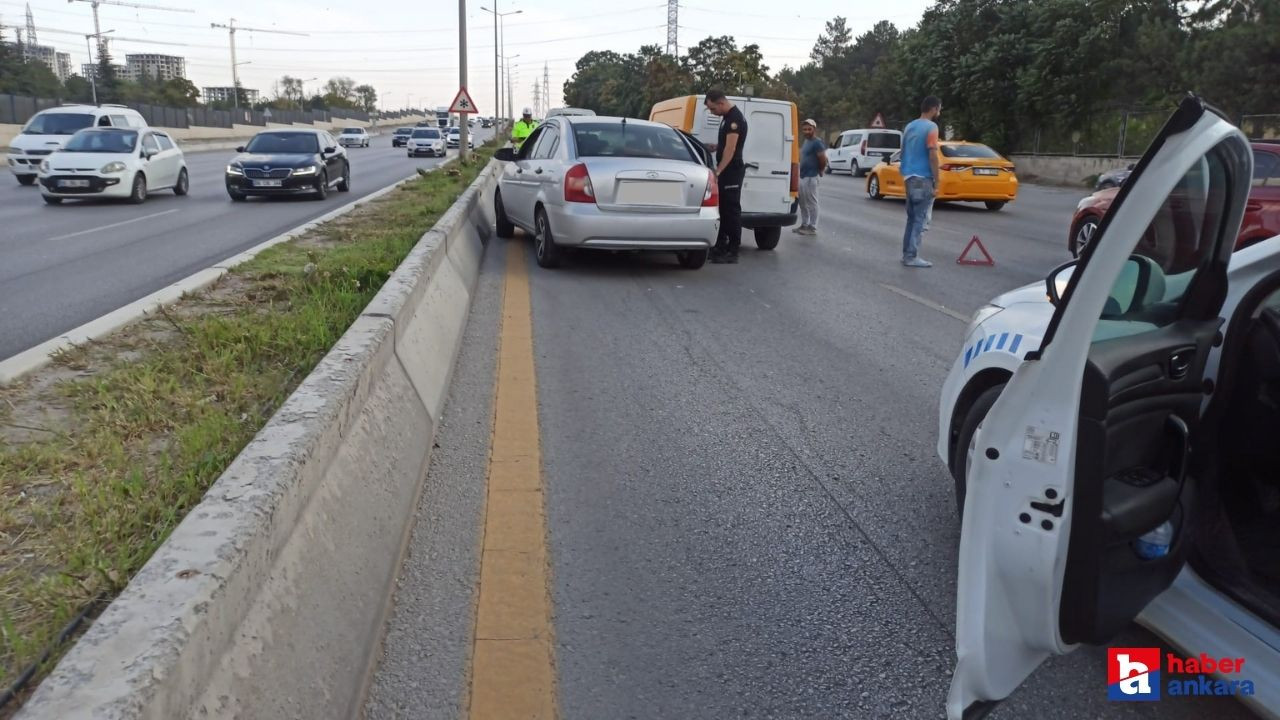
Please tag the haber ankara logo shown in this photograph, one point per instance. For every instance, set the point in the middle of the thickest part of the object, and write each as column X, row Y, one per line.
column 1133, row 674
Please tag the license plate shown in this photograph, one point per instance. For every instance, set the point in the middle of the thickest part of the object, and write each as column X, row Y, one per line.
column 986, row 171
column 268, row 183
column 73, row 183
column 650, row 193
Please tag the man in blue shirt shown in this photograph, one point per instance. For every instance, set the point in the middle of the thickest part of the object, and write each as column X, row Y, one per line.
column 920, row 172
column 813, row 163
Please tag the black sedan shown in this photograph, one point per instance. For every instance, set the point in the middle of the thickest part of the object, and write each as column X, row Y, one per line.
column 289, row 162
column 400, row 137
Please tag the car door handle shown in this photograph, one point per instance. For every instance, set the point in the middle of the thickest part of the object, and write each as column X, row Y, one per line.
column 538, row 171
column 781, row 172
column 753, row 165
column 1253, row 207
column 519, row 171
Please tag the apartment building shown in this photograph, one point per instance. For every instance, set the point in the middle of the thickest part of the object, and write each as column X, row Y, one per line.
column 226, row 93
column 160, row 67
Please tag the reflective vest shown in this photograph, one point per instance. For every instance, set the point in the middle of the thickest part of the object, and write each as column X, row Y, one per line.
column 522, row 130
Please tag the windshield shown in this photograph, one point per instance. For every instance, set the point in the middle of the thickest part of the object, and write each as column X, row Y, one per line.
column 103, row 141
column 404, row 131
column 284, row 144
column 431, row 134
column 630, row 140
column 57, row 124
column 351, row 131
column 455, row 131
column 968, row 151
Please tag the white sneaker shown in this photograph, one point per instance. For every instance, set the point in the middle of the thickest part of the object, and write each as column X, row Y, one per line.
column 917, row 262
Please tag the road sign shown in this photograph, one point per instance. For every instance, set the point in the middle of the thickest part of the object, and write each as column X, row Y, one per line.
column 877, row 121
column 462, row 103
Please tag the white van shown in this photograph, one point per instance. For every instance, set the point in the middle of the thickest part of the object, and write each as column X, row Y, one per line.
column 857, row 151
column 47, row 130
column 772, row 156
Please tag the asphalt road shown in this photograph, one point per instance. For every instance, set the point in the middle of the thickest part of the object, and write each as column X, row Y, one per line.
column 62, row 266
column 746, row 514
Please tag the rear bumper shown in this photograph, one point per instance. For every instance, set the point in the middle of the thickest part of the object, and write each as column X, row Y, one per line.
column 585, row 225
column 767, row 220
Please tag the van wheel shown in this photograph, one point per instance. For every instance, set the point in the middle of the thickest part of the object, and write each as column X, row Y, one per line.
column 873, row 188
column 962, row 457
column 506, row 229
column 767, row 238
column 855, row 169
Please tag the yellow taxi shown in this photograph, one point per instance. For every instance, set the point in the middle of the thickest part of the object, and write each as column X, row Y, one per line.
column 970, row 172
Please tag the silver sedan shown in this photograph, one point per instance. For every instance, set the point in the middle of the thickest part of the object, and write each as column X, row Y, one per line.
column 610, row 184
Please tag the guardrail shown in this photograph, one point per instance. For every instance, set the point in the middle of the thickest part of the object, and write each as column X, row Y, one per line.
column 18, row 109
column 268, row 598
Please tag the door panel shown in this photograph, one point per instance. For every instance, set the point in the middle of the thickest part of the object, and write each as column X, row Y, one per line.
column 520, row 186
column 767, row 154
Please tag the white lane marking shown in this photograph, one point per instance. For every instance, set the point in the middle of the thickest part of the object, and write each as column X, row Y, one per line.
column 925, row 302
column 112, row 225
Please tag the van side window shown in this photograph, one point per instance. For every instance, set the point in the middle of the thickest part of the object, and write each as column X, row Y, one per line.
column 120, row 121
column 854, row 139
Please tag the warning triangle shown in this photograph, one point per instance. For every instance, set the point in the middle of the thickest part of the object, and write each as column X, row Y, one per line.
column 462, row 103
column 975, row 242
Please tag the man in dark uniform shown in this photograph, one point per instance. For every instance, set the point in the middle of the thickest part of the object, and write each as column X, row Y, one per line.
column 730, row 171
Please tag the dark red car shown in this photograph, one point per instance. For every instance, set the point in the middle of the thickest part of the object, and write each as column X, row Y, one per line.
column 1261, row 216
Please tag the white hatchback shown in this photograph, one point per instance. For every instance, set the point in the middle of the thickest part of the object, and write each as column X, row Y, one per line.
column 353, row 137
column 114, row 163
column 1112, row 435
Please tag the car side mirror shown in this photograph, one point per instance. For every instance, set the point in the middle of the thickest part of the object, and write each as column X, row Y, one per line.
column 1057, row 281
column 240, row 149
column 505, row 154
column 330, row 150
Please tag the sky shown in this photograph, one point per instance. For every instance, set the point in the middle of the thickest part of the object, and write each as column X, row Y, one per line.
column 409, row 50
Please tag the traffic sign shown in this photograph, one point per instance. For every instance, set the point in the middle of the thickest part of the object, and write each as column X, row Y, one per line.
column 462, row 103
column 877, row 121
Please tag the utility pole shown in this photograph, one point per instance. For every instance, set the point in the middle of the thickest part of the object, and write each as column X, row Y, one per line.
column 673, row 23
column 499, row 22
column 537, row 98
column 464, row 131
column 93, row 74
column 546, row 89
column 231, row 29
column 97, row 29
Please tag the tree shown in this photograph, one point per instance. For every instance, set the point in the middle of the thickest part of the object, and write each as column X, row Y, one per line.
column 716, row 62
column 178, row 92
column 340, row 92
column 833, row 41
column 108, row 81
column 289, row 89
column 366, row 98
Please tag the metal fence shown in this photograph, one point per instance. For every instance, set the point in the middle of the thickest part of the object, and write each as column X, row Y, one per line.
column 18, row 109
column 1118, row 133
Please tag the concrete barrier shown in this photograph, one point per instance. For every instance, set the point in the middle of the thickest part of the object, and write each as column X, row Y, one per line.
column 1070, row 170
column 267, row 600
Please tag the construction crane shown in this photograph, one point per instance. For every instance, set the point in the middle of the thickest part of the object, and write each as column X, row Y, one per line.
column 231, row 29
column 97, row 27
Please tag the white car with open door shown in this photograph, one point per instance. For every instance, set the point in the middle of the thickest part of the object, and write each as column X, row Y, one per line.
column 1138, row 433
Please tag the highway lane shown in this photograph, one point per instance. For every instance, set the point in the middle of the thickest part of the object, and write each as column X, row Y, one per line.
column 746, row 514
column 62, row 266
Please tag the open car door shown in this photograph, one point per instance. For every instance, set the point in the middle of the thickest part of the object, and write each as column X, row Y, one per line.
column 1086, row 450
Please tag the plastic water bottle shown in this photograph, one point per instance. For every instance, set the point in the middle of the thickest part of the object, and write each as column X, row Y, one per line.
column 1155, row 543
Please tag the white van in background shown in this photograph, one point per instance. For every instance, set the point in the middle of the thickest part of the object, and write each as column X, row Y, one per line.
column 772, row 156
column 47, row 130
column 857, row 151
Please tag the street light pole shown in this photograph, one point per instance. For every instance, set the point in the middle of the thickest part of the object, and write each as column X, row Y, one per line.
column 463, row 129
column 499, row 21
column 93, row 75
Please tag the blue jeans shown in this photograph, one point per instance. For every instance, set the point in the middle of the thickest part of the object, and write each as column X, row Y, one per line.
column 919, row 200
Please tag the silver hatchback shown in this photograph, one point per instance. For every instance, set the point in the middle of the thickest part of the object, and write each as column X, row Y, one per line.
column 610, row 184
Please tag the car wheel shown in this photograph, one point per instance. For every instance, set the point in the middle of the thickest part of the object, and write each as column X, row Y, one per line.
column 544, row 243
column 767, row 238
column 855, row 169
column 322, row 186
column 236, row 195
column 962, row 457
column 873, row 188
column 52, row 200
column 1083, row 235
column 505, row 227
column 344, row 185
column 26, row 179
column 184, row 183
column 692, row 259
column 994, row 205
column 139, row 193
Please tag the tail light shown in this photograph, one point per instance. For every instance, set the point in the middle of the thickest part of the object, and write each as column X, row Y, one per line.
column 1009, row 168
column 951, row 166
column 711, row 197
column 863, row 150
column 577, row 185
column 795, row 177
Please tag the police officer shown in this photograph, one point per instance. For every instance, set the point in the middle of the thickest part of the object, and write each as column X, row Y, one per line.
column 523, row 128
column 730, row 171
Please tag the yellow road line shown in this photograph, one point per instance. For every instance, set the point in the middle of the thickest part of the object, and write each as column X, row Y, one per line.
column 513, row 658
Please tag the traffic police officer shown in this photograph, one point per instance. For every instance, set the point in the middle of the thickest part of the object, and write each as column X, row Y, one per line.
column 730, row 171
column 523, row 128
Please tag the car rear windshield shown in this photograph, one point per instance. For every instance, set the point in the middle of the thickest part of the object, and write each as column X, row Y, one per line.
column 58, row 124
column 891, row 141
column 968, row 151
column 352, row 131
column 427, row 133
column 103, row 141
column 284, row 144
column 404, row 131
column 630, row 140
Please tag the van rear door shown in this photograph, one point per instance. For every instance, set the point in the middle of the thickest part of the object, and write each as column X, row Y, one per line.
column 767, row 188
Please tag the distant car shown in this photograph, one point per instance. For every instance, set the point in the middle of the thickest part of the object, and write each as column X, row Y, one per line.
column 486, row 122
column 425, row 123
column 108, row 162
column 353, row 137
column 1113, row 178
column 400, row 137
column 1261, row 214
column 455, row 138
column 289, row 162
column 426, row 141
column 970, row 172
column 608, row 183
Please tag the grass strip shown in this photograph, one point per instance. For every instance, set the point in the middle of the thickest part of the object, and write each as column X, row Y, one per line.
column 103, row 452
